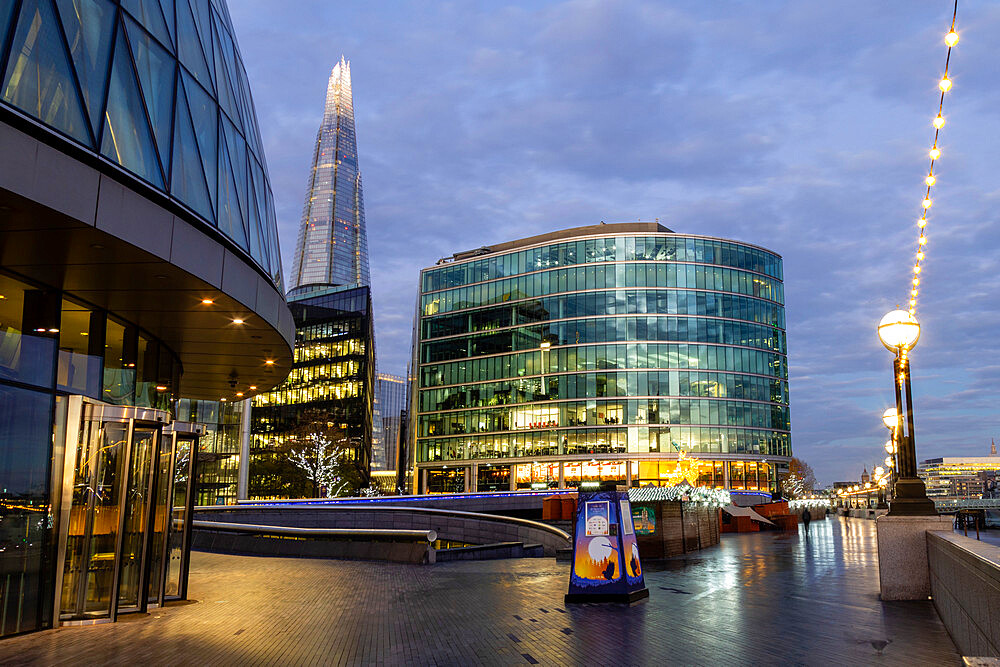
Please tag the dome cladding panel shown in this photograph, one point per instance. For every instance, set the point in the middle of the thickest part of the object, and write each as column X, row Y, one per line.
column 156, row 88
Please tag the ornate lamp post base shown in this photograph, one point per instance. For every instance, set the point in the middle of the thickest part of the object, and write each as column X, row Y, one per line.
column 910, row 499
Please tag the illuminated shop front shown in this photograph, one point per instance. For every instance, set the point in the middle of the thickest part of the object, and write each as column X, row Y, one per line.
column 605, row 353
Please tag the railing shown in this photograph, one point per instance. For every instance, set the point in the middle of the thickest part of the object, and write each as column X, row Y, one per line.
column 967, row 504
column 376, row 534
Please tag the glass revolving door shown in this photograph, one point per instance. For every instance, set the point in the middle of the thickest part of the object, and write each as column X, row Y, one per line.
column 107, row 526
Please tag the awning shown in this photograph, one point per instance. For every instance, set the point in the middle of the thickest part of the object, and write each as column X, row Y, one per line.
column 745, row 511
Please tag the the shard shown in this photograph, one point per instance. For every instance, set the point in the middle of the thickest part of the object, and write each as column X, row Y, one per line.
column 332, row 247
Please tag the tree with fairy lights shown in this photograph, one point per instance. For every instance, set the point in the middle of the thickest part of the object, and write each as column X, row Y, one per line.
column 323, row 452
column 799, row 480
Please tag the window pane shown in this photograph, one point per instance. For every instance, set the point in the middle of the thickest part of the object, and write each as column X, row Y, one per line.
column 156, row 77
column 39, row 79
column 80, row 334
column 27, row 355
column 25, row 448
column 89, row 27
column 127, row 138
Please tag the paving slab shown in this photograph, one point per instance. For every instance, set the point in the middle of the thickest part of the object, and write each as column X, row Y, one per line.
column 761, row 598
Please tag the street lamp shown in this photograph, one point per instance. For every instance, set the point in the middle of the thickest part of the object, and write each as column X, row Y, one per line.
column 899, row 332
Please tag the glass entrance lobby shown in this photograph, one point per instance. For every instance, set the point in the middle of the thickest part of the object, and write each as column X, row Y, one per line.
column 126, row 504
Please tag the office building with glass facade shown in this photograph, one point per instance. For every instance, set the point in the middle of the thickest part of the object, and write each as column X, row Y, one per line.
column 620, row 352
column 390, row 401
column 138, row 266
column 331, row 383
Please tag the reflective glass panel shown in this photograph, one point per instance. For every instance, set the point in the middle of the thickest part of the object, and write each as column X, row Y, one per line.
column 119, row 377
column 26, row 355
column 147, row 12
column 161, row 514
column 190, row 47
column 93, row 525
column 156, row 77
column 175, row 531
column 188, row 179
column 137, row 506
column 204, row 118
column 89, row 27
column 25, row 529
column 126, row 137
column 39, row 79
column 80, row 335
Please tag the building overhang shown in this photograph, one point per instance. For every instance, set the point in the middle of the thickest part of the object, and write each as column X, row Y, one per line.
column 98, row 235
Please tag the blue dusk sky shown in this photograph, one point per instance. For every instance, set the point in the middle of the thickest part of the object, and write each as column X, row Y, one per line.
column 802, row 127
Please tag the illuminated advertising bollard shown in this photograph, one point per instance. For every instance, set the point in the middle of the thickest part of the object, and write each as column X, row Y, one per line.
column 606, row 565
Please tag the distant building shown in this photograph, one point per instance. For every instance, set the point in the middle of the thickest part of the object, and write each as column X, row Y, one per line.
column 390, row 401
column 955, row 477
column 332, row 379
column 622, row 352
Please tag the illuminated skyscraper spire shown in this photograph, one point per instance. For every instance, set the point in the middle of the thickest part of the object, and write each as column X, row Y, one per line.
column 332, row 247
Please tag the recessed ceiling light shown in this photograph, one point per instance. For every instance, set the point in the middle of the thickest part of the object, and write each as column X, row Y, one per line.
column 237, row 321
column 84, row 333
column 161, row 387
column 269, row 362
column 253, row 387
column 53, row 330
column 239, row 393
column 207, row 302
column 222, row 400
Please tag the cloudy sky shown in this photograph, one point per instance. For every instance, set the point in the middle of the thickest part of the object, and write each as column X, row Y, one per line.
column 799, row 126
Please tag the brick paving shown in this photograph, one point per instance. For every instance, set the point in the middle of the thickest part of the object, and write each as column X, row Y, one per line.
column 766, row 598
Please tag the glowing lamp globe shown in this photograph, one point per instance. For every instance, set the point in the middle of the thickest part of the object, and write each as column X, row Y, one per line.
column 890, row 419
column 898, row 331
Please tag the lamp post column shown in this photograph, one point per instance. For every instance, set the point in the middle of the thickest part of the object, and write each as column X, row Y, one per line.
column 909, row 496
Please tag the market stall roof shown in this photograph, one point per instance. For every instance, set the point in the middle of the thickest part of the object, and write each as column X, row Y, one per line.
column 745, row 511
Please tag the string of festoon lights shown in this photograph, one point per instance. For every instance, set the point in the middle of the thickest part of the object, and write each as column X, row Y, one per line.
column 950, row 39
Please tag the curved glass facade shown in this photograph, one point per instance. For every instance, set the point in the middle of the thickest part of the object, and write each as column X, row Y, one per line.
column 156, row 87
column 618, row 351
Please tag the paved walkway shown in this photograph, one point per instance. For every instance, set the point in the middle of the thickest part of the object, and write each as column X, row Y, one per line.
column 766, row 598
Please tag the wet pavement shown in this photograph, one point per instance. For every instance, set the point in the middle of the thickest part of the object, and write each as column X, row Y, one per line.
column 759, row 598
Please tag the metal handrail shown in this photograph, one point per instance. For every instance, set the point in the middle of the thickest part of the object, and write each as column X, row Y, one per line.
column 379, row 508
column 384, row 533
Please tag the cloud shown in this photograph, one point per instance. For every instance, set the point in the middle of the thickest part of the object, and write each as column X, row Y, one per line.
column 801, row 127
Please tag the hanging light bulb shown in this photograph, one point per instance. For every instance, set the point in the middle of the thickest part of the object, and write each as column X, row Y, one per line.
column 938, row 121
column 916, row 281
column 930, row 180
column 927, row 202
column 922, row 222
column 913, row 292
column 951, row 39
column 935, row 153
column 944, row 84
column 920, row 254
column 916, row 269
column 923, row 240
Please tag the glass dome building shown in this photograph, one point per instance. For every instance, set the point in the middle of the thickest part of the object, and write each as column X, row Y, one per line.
column 621, row 352
column 139, row 265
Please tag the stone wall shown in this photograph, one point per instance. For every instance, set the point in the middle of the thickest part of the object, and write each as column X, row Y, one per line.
column 965, row 585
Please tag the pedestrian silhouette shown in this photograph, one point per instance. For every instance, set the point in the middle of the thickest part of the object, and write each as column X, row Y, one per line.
column 806, row 518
